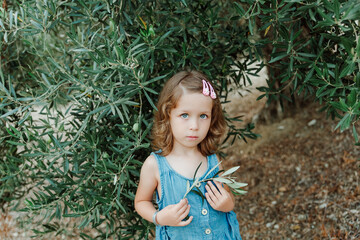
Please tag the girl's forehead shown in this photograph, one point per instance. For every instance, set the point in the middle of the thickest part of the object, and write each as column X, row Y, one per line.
column 194, row 101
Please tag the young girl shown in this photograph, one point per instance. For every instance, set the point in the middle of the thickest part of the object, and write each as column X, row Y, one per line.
column 187, row 128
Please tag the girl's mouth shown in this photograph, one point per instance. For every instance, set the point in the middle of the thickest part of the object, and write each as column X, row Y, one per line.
column 192, row 137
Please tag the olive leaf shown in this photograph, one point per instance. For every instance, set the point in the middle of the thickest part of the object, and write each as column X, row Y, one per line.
column 225, row 177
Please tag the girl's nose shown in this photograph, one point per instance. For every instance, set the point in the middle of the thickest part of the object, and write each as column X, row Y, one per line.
column 194, row 125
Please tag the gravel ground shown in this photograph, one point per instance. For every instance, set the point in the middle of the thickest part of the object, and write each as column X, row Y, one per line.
column 303, row 180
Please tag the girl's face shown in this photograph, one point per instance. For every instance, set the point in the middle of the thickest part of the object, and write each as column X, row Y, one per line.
column 190, row 119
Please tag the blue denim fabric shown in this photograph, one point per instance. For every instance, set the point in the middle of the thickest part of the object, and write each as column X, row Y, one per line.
column 207, row 223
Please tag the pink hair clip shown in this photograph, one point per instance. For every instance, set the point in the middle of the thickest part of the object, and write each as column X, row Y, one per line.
column 208, row 89
column 212, row 92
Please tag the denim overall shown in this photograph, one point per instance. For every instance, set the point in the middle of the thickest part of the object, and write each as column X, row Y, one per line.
column 207, row 223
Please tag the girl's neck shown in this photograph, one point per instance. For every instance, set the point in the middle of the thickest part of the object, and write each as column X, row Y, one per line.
column 186, row 161
column 188, row 152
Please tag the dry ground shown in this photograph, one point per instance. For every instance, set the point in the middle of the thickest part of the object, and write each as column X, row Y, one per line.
column 303, row 180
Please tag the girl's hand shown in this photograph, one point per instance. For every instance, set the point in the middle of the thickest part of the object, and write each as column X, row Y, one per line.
column 173, row 215
column 218, row 197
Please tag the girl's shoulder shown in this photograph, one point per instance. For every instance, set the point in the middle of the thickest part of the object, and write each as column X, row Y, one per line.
column 216, row 160
column 214, row 157
column 149, row 169
column 150, row 163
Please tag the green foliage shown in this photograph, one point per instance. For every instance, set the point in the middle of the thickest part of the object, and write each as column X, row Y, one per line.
column 92, row 70
column 312, row 48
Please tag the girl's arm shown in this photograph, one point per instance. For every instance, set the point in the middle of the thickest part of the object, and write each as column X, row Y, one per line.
column 147, row 185
column 220, row 198
column 171, row 215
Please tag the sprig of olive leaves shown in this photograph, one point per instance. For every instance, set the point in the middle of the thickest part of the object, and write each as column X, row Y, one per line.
column 224, row 178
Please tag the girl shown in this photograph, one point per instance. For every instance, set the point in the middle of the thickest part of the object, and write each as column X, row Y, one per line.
column 187, row 128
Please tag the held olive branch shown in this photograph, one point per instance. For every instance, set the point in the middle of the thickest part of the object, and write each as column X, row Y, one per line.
column 225, row 177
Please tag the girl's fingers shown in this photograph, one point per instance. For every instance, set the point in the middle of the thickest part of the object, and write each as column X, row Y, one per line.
column 184, row 223
column 213, row 191
column 183, row 208
column 220, row 187
column 210, row 200
column 180, row 205
column 187, row 211
column 208, row 188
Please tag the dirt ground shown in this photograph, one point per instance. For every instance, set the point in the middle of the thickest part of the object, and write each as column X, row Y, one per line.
column 303, row 180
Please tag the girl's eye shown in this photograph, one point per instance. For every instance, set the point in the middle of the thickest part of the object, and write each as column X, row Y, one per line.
column 184, row 115
column 203, row 116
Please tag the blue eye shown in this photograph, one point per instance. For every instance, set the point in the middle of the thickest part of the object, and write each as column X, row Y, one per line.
column 203, row 116
column 184, row 115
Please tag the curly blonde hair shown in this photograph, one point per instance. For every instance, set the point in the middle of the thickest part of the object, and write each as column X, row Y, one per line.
column 174, row 88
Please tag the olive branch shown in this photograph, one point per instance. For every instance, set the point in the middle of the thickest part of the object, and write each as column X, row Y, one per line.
column 224, row 178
